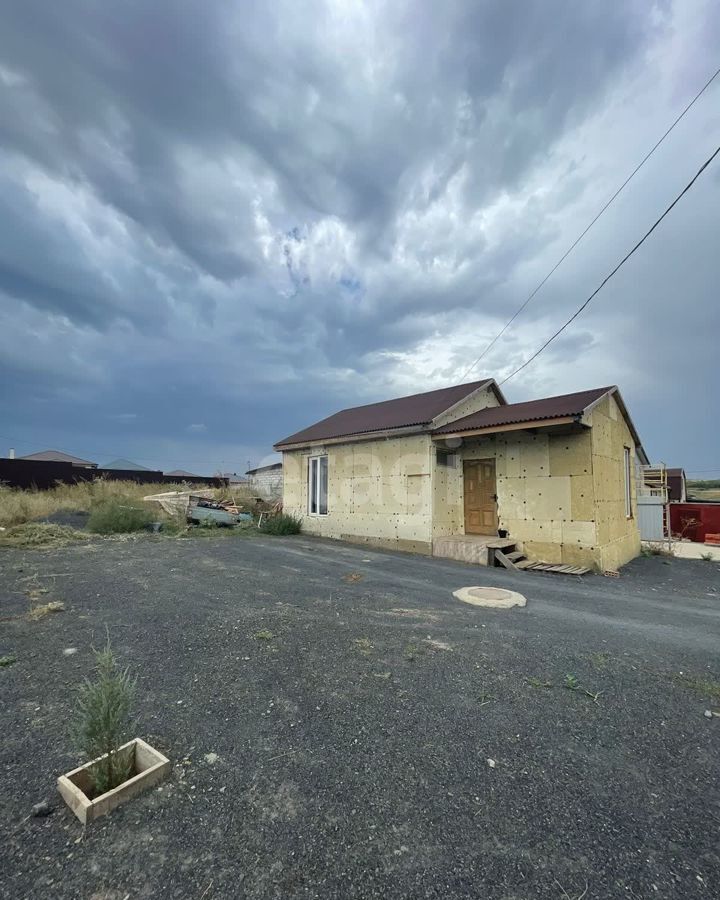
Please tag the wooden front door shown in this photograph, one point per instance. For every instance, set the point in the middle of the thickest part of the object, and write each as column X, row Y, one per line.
column 480, row 496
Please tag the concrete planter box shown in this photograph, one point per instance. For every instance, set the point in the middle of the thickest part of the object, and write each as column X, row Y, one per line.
column 148, row 767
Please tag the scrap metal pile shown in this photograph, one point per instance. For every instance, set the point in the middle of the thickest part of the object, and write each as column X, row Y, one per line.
column 200, row 507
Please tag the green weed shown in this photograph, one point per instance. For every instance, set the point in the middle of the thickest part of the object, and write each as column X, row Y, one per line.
column 102, row 721
column 114, row 517
column 701, row 684
column 281, row 524
column 538, row 683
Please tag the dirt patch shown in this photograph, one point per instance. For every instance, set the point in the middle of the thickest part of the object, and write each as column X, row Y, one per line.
column 413, row 614
column 76, row 519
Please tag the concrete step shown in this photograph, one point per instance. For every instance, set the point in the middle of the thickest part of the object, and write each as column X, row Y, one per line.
column 515, row 555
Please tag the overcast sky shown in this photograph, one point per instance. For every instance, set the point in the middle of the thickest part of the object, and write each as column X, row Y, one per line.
column 221, row 221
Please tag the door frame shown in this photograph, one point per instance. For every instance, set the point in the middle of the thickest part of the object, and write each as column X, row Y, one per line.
column 478, row 462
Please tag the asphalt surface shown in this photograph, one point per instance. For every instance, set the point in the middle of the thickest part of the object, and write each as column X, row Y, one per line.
column 387, row 741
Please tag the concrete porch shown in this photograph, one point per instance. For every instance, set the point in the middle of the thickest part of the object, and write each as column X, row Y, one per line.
column 471, row 548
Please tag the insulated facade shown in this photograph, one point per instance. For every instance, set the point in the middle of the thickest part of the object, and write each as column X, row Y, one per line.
column 564, row 492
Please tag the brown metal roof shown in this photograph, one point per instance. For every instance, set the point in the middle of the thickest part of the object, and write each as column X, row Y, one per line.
column 58, row 456
column 417, row 409
column 531, row 411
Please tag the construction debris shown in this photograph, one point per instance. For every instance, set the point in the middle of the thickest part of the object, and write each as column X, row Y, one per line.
column 200, row 507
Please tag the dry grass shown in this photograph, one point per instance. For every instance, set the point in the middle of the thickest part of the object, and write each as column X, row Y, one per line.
column 20, row 506
column 34, row 534
column 40, row 612
column 363, row 645
column 708, row 494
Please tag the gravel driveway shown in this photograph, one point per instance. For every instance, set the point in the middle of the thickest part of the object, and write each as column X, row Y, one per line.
column 342, row 727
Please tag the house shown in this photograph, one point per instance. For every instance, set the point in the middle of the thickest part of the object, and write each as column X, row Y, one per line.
column 181, row 473
column 676, row 485
column 59, row 456
column 460, row 464
column 126, row 465
column 232, row 478
column 267, row 481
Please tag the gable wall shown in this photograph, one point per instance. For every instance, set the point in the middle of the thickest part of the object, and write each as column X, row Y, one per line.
column 618, row 536
column 480, row 400
column 378, row 492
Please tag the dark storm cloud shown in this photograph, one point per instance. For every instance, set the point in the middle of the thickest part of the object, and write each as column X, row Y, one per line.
column 272, row 210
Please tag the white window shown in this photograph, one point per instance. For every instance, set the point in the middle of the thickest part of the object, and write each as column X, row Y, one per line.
column 628, row 483
column 318, row 485
column 444, row 458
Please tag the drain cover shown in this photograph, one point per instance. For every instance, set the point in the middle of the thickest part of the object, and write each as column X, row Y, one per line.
column 490, row 596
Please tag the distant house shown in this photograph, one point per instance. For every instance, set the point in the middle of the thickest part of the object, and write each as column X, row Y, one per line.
column 181, row 473
column 232, row 478
column 267, row 481
column 59, row 456
column 676, row 484
column 436, row 472
column 127, row 465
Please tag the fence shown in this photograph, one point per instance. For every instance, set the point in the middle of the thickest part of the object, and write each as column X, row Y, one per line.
column 695, row 520
column 31, row 473
column 651, row 519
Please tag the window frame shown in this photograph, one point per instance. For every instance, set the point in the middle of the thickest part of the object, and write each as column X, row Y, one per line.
column 627, row 475
column 445, row 459
column 315, row 462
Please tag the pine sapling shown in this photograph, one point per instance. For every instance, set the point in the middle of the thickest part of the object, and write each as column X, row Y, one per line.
column 103, row 720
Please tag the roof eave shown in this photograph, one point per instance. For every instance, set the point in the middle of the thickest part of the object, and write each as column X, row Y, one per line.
column 615, row 392
column 385, row 433
column 510, row 426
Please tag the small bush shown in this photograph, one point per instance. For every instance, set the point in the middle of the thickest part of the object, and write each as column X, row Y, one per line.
column 103, row 720
column 118, row 518
column 283, row 523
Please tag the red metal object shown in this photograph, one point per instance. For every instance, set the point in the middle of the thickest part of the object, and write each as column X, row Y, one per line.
column 694, row 520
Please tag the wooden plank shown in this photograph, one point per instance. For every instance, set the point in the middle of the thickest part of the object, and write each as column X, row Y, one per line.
column 515, row 555
column 525, row 564
column 151, row 767
column 508, row 563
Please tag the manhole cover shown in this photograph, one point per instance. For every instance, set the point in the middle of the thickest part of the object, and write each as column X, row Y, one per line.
column 490, row 596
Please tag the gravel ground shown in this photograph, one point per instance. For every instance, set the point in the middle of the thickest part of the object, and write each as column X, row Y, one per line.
column 387, row 741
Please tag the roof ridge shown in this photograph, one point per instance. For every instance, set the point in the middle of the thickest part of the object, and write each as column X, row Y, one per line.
column 470, row 384
column 410, row 411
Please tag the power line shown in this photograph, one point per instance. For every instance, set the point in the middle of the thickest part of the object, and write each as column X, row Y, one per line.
column 618, row 266
column 582, row 235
